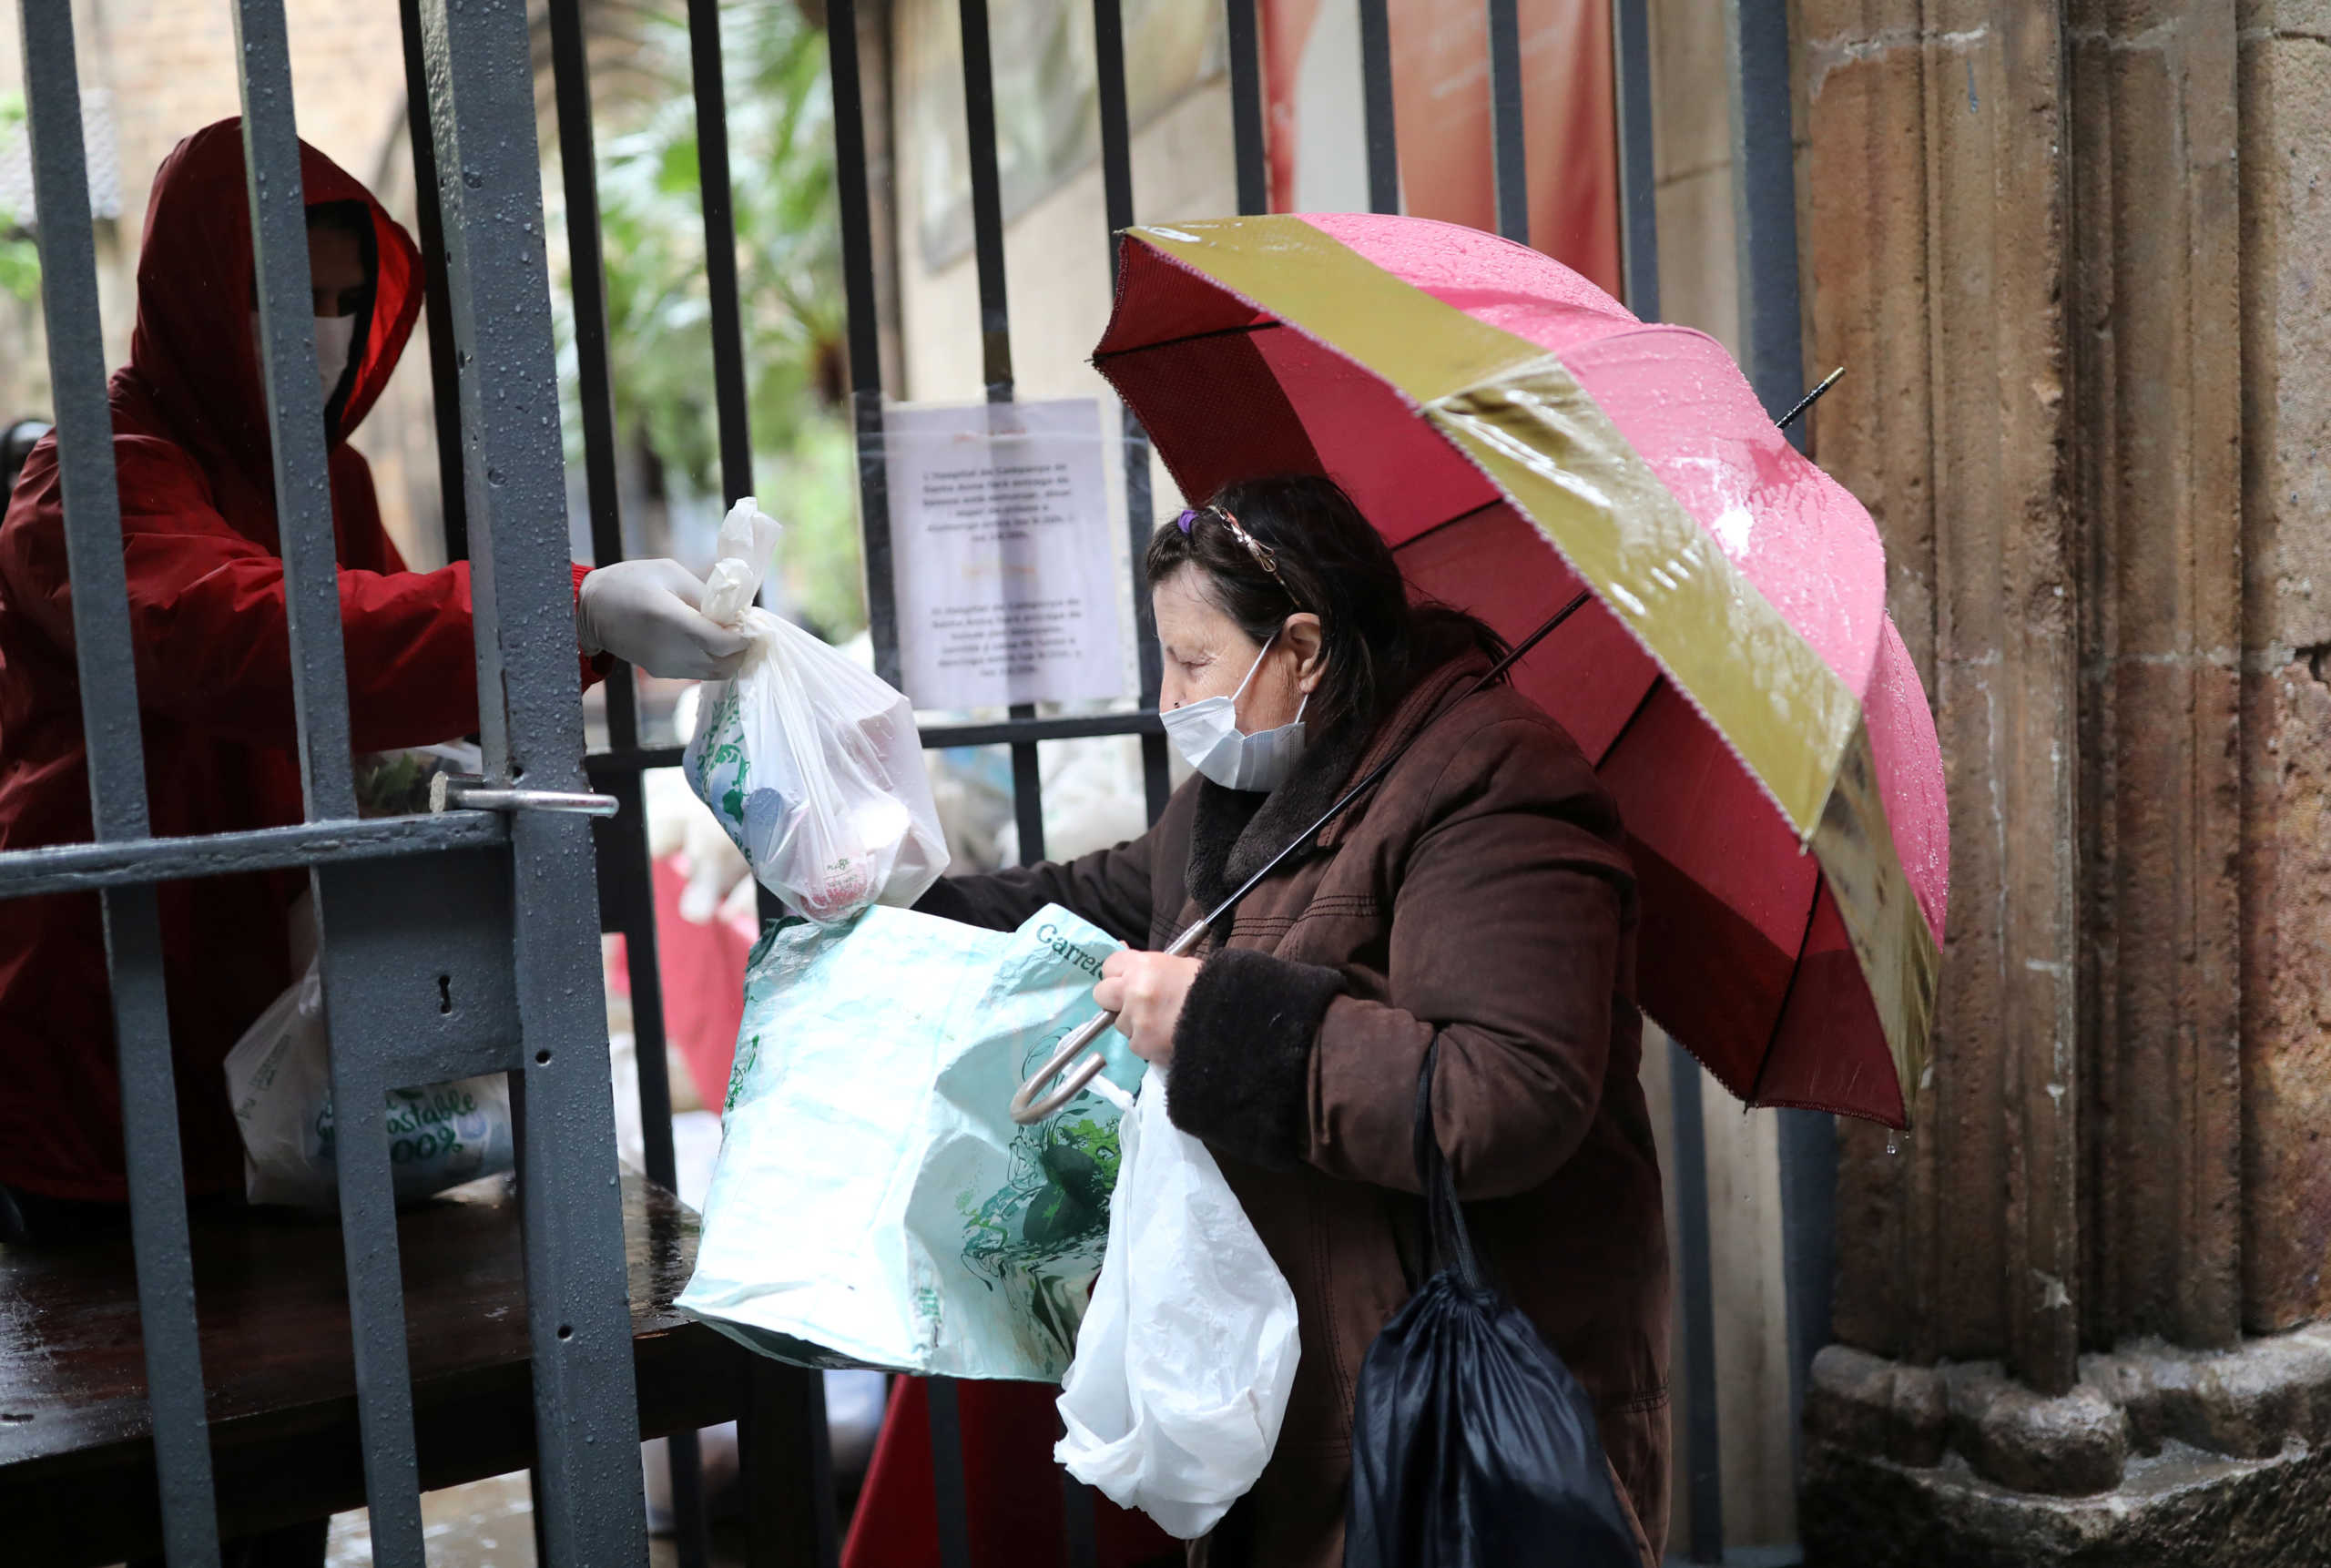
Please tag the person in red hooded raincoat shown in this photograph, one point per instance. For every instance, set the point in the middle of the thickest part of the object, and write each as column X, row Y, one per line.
column 214, row 676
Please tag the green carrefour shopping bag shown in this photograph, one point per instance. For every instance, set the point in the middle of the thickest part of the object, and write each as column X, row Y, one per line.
column 874, row 1204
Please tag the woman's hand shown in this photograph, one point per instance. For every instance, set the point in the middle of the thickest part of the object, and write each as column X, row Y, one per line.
column 1146, row 990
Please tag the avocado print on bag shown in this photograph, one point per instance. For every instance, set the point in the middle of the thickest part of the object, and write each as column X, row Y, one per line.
column 1039, row 1237
column 921, row 1230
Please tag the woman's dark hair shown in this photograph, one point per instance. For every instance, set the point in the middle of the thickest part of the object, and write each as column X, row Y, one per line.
column 1328, row 560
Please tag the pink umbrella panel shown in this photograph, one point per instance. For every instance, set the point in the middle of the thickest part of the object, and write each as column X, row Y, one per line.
column 1516, row 433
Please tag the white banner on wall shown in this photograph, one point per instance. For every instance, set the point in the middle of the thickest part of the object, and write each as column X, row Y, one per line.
column 1000, row 534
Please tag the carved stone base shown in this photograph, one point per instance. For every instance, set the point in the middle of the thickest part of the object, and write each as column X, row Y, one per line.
column 2156, row 1457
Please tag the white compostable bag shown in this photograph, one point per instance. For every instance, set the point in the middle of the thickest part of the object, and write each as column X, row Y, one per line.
column 813, row 765
column 1186, row 1355
column 278, row 1081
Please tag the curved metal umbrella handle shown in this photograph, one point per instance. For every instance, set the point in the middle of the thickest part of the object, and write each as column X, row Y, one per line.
column 1026, row 1108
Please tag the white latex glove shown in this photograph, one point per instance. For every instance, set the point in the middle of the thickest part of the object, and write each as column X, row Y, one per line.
column 645, row 613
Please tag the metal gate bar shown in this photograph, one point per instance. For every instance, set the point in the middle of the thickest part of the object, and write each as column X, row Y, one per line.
column 781, row 1393
column 865, row 336
column 588, row 285
column 116, row 763
column 123, row 862
column 295, row 407
column 444, row 385
column 720, row 249
column 1116, row 185
column 1765, row 204
column 951, row 1495
column 1638, row 175
column 1507, row 157
column 1772, row 328
column 1703, row 1476
column 995, row 351
column 586, row 1400
column 951, row 1491
column 1698, row 1459
column 626, row 892
column 1376, row 100
column 295, row 411
column 1246, row 149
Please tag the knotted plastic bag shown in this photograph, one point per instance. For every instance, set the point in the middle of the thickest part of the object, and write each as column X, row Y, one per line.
column 1186, row 1356
column 812, row 765
column 1472, row 1446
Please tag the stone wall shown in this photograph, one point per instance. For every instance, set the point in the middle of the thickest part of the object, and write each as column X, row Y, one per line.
column 2071, row 256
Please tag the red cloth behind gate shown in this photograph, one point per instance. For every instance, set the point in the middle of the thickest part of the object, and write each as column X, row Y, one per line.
column 702, row 968
column 1016, row 1516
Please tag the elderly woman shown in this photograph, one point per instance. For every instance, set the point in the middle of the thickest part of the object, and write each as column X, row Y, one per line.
column 1480, row 895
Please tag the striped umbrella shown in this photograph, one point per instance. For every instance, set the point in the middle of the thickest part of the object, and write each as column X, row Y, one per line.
column 1516, row 435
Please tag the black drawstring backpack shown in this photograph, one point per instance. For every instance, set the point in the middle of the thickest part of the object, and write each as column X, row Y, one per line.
column 1472, row 1446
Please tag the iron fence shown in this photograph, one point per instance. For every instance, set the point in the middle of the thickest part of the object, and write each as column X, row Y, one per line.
column 526, row 953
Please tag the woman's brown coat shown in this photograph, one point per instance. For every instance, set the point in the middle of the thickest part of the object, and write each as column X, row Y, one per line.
column 1482, row 894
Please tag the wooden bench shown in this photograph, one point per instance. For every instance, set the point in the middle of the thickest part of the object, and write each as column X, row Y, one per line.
column 76, row 1461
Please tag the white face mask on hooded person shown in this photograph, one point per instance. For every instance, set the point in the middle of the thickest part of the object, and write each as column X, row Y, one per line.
column 335, row 340
column 1206, row 734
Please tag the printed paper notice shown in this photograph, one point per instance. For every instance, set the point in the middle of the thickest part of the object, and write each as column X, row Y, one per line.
column 999, row 528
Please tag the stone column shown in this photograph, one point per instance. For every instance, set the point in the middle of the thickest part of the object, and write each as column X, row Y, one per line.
column 2286, row 88
column 1934, row 212
column 2087, row 400
column 2156, row 445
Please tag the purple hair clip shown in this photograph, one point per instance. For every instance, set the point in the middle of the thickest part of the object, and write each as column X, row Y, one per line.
column 1265, row 556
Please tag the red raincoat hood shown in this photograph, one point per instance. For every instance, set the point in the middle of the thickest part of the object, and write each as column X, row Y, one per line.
column 193, row 347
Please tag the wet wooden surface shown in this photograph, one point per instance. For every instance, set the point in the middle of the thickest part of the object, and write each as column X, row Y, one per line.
column 76, row 1472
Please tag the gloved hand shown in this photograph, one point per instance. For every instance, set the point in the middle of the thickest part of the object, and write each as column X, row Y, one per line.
column 645, row 613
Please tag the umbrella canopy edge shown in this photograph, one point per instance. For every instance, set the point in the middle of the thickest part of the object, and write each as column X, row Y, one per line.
column 1519, row 415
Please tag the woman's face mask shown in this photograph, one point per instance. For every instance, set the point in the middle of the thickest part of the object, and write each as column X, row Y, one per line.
column 1194, row 634
column 335, row 340
column 1206, row 734
column 339, row 278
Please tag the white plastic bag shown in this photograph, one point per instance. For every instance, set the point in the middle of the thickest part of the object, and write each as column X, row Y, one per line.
column 812, row 765
column 1186, row 1355
column 279, row 1080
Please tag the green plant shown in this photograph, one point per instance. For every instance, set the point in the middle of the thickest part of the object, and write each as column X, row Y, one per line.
column 789, row 263
column 19, row 256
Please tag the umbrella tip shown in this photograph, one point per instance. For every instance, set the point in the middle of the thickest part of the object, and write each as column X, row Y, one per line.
column 1793, row 415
